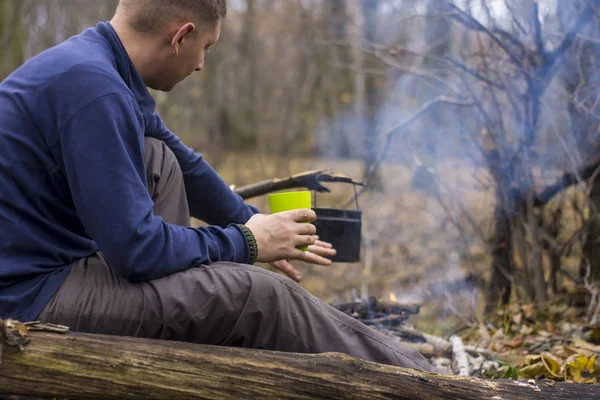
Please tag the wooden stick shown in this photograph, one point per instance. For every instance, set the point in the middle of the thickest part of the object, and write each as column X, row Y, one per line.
column 460, row 356
column 310, row 180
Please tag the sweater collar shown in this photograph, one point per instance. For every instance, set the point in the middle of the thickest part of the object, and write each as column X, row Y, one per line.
column 127, row 70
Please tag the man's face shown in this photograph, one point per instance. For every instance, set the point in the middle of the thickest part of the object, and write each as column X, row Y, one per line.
column 185, row 57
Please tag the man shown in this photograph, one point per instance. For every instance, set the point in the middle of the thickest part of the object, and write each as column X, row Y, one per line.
column 96, row 194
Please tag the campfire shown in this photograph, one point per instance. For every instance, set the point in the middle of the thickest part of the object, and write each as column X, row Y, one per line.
column 392, row 318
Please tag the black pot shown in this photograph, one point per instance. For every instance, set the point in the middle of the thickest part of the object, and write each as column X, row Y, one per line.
column 341, row 228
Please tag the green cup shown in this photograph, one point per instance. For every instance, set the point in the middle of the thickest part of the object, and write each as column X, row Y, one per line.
column 290, row 201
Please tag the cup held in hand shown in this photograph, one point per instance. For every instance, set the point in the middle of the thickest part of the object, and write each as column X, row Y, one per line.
column 287, row 201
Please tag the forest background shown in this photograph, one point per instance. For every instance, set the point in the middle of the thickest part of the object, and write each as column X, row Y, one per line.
column 474, row 124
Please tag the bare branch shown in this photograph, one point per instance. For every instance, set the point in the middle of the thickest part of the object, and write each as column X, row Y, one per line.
column 539, row 41
column 512, row 39
column 472, row 23
column 475, row 74
column 514, row 18
column 383, row 55
column 584, row 18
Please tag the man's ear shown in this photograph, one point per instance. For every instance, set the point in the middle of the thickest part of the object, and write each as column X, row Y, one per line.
column 182, row 34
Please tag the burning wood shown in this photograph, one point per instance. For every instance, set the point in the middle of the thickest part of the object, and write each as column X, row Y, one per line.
column 391, row 318
column 371, row 308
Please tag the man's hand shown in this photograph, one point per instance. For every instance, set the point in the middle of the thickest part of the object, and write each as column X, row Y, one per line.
column 316, row 255
column 278, row 235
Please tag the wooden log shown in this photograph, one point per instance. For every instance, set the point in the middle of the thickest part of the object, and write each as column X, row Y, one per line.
column 83, row 366
column 310, row 180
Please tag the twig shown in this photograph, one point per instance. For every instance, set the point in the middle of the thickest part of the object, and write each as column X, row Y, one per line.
column 368, row 268
column 472, row 23
column 539, row 42
column 584, row 18
column 514, row 18
column 461, row 362
column 594, row 290
column 475, row 74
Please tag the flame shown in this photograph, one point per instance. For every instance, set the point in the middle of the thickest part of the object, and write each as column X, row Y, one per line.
column 393, row 297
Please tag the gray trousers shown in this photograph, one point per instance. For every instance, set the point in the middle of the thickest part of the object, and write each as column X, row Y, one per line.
column 221, row 304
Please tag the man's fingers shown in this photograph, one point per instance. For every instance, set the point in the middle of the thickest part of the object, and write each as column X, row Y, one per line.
column 300, row 215
column 313, row 258
column 304, row 240
column 288, row 269
column 322, row 251
column 298, row 254
column 321, row 243
column 307, row 229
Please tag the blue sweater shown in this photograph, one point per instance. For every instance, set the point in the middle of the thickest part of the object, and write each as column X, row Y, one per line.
column 73, row 181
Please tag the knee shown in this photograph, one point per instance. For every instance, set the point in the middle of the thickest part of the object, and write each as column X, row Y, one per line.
column 160, row 161
column 253, row 284
column 157, row 155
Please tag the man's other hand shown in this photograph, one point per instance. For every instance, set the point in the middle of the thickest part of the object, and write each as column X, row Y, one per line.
column 315, row 255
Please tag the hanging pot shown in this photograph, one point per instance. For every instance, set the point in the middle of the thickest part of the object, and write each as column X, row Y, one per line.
column 341, row 228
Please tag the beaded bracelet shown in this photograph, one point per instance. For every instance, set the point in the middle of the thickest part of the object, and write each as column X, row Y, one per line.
column 251, row 243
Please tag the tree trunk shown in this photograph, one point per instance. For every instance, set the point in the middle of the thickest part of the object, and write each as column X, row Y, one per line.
column 83, row 366
column 372, row 175
column 591, row 246
column 500, row 283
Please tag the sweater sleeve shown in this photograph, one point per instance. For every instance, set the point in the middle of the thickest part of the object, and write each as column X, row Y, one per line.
column 102, row 149
column 209, row 197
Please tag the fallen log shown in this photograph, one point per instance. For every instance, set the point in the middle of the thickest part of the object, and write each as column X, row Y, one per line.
column 84, row 366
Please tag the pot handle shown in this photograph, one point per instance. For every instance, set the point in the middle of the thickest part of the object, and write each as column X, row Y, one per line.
column 355, row 197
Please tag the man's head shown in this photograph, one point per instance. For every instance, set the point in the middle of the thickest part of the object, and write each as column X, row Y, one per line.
column 169, row 38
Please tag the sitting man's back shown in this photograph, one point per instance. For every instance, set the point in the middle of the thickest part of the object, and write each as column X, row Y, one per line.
column 41, row 233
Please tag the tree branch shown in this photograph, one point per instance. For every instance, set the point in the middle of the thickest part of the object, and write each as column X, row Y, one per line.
column 475, row 74
column 584, row 18
column 537, row 24
column 472, row 23
column 310, row 180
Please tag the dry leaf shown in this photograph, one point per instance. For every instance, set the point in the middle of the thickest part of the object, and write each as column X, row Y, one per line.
column 526, row 330
column 562, row 351
column 533, row 370
column 528, row 310
column 552, row 364
column 581, row 368
column 517, row 318
column 532, row 359
column 515, row 342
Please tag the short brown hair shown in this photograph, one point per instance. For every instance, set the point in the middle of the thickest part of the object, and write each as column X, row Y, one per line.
column 151, row 15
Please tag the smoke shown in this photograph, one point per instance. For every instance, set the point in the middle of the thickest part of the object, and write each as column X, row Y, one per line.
column 436, row 211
